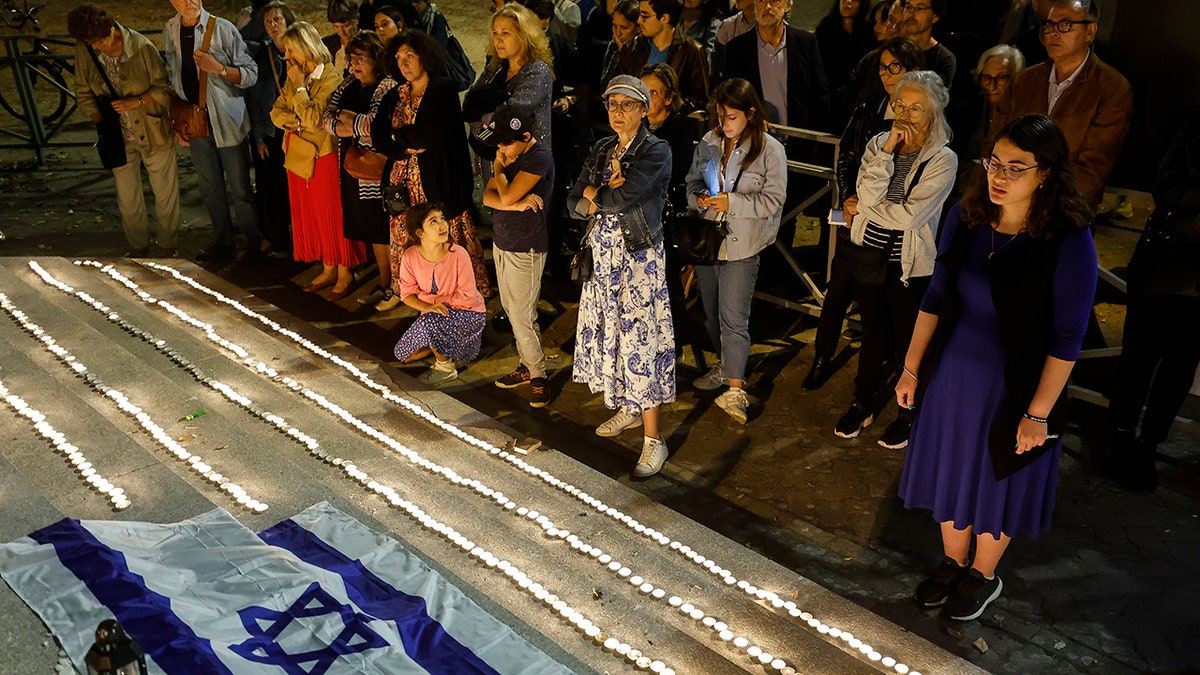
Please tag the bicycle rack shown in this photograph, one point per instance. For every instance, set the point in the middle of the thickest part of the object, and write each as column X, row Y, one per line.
column 38, row 133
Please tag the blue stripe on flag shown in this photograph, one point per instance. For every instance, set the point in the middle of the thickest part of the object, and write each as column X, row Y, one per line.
column 145, row 615
column 425, row 641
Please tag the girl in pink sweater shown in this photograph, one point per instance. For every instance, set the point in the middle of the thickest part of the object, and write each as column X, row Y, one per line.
column 436, row 279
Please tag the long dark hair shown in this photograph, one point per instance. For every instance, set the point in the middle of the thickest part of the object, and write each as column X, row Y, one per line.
column 861, row 19
column 415, row 217
column 1057, row 205
column 739, row 94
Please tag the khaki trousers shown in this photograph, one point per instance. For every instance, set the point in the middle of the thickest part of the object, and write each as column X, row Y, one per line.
column 520, row 280
column 164, row 180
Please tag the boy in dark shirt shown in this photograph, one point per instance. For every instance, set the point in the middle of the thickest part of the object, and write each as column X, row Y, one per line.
column 518, row 192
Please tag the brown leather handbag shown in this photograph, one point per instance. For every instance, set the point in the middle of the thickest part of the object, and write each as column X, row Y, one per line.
column 191, row 120
column 364, row 164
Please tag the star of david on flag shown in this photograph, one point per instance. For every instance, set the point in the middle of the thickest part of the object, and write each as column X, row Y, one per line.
column 317, row 593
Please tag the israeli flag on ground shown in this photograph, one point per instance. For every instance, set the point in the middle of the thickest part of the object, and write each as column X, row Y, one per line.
column 317, row 593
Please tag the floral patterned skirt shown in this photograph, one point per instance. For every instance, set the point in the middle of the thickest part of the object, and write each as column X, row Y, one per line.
column 624, row 338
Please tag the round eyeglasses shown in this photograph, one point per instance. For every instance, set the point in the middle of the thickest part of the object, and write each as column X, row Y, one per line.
column 991, row 165
column 1063, row 26
column 914, row 110
column 627, row 106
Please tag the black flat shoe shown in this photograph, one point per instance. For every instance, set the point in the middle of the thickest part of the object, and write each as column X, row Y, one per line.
column 817, row 375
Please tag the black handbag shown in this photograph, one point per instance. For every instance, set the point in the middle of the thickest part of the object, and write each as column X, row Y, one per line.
column 583, row 265
column 695, row 239
column 110, row 137
column 865, row 264
column 395, row 199
column 1166, row 260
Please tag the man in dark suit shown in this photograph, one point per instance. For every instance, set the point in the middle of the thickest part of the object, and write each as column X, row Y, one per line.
column 783, row 65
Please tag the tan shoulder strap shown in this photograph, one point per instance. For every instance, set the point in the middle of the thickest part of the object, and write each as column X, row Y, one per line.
column 208, row 33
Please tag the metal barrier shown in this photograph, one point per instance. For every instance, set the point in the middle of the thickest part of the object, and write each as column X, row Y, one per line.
column 812, row 305
column 42, row 82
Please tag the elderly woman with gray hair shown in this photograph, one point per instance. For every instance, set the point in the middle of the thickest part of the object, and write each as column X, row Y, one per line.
column 971, row 117
column 905, row 177
column 624, row 340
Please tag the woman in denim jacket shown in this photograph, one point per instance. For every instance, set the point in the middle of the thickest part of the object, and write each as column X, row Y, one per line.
column 624, row 341
column 738, row 174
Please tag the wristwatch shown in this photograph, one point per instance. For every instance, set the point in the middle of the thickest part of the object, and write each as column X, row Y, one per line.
column 224, row 70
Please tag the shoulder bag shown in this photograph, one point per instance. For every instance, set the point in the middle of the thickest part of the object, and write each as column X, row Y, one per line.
column 867, row 264
column 695, row 239
column 364, row 164
column 191, row 120
column 583, row 265
column 110, row 138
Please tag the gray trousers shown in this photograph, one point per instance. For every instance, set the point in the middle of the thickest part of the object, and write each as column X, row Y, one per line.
column 520, row 281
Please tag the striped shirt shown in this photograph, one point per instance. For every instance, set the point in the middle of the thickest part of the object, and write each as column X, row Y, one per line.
column 877, row 236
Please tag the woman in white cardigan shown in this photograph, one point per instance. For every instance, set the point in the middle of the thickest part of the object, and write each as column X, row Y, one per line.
column 739, row 172
column 905, row 177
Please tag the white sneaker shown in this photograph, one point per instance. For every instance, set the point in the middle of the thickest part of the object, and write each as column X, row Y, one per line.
column 620, row 422
column 654, row 453
column 713, row 379
column 734, row 402
column 389, row 302
column 441, row 372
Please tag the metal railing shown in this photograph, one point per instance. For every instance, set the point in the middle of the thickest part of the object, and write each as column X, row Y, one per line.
column 37, row 79
column 812, row 304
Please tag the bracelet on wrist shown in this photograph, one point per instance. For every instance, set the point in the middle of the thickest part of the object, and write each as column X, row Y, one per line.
column 1035, row 418
column 910, row 374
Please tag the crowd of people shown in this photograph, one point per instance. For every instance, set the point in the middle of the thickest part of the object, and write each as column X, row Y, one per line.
column 626, row 117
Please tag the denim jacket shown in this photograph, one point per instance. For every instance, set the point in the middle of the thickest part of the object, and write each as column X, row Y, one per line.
column 639, row 202
column 756, row 207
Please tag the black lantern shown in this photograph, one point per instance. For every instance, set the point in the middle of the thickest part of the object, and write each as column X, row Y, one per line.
column 114, row 652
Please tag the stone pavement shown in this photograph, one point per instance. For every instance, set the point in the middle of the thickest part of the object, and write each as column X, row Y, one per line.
column 1109, row 590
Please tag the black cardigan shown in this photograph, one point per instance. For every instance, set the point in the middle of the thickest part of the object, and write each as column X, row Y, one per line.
column 446, row 174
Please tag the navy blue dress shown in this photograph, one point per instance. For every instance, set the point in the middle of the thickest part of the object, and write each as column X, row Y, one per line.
column 947, row 468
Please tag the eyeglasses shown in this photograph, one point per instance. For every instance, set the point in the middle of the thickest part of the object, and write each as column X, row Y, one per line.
column 895, row 68
column 999, row 80
column 627, row 106
column 914, row 110
column 1064, row 26
column 915, row 8
column 991, row 165
column 276, row 21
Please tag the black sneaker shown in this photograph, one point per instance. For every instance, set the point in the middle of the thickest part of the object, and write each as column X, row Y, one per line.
column 540, row 392
column 971, row 596
column 854, row 421
column 514, row 379
column 936, row 588
column 895, row 436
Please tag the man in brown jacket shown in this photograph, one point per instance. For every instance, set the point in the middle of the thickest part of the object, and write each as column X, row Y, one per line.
column 1089, row 99
column 136, row 71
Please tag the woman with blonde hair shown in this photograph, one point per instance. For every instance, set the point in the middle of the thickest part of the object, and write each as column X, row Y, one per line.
column 312, row 163
column 519, row 60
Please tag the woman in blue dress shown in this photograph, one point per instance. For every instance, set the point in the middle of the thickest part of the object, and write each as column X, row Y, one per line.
column 997, row 336
column 624, row 340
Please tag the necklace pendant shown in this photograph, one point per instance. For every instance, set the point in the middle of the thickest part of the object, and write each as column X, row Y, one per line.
column 991, row 254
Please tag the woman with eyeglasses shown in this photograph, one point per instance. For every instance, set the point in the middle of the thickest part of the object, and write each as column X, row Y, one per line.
column 872, row 116
column 624, row 340
column 348, row 117
column 996, row 338
column 971, row 117
column 905, row 177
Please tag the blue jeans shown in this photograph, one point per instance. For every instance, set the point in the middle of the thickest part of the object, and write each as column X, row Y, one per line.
column 726, row 290
column 224, row 175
